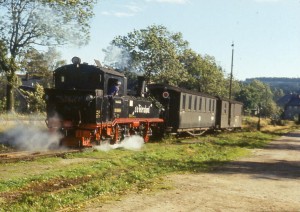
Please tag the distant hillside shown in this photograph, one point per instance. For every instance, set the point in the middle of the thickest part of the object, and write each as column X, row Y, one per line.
column 288, row 85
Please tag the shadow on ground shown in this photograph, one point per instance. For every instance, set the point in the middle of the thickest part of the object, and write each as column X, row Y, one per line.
column 286, row 166
column 274, row 170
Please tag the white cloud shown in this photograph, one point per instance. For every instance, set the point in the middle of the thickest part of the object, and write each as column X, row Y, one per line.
column 170, row 1
column 133, row 8
column 117, row 14
column 263, row 1
column 124, row 11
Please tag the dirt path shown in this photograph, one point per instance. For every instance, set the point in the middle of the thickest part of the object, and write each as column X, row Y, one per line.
column 269, row 180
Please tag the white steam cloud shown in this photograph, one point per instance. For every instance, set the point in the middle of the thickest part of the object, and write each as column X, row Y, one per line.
column 116, row 57
column 134, row 142
column 30, row 138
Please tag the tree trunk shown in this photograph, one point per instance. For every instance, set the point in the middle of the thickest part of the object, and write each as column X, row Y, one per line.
column 9, row 95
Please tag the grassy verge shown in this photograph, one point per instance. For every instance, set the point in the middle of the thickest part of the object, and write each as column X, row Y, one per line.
column 67, row 183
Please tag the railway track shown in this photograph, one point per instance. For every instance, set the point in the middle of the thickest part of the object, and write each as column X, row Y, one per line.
column 16, row 156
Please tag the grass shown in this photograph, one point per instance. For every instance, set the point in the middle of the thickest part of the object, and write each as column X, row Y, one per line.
column 69, row 183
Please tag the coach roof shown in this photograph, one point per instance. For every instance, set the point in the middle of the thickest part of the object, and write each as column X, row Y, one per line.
column 179, row 90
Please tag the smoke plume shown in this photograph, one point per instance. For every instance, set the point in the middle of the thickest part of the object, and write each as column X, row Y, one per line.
column 30, row 138
column 116, row 57
column 134, row 142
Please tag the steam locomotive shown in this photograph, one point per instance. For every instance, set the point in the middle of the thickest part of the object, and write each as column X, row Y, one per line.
column 81, row 109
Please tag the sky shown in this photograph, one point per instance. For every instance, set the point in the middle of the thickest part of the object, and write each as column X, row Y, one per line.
column 265, row 33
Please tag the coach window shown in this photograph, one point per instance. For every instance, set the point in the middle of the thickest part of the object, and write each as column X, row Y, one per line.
column 225, row 108
column 183, row 101
column 213, row 105
column 205, row 104
column 195, row 103
column 62, row 79
column 190, row 102
column 200, row 104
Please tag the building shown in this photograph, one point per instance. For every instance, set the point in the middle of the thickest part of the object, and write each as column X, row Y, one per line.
column 28, row 84
column 292, row 108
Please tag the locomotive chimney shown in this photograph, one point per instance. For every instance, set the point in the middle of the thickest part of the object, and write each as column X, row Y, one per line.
column 76, row 61
column 141, row 87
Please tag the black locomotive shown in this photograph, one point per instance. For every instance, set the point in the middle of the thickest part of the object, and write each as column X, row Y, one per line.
column 82, row 108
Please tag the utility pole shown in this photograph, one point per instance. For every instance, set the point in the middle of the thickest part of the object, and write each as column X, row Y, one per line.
column 230, row 85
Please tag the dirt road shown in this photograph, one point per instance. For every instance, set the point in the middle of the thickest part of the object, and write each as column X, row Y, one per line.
column 269, row 180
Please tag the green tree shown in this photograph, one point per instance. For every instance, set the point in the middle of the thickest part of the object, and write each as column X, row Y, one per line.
column 235, row 87
column 35, row 99
column 25, row 24
column 204, row 75
column 154, row 52
column 257, row 95
column 278, row 93
column 37, row 64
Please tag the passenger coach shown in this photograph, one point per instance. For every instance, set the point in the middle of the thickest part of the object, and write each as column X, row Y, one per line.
column 229, row 114
column 185, row 110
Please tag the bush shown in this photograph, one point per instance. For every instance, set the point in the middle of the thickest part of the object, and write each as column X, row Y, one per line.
column 35, row 99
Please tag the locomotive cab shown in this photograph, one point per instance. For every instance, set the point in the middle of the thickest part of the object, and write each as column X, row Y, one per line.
column 87, row 77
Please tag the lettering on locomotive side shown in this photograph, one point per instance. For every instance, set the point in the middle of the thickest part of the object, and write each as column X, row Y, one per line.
column 141, row 109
